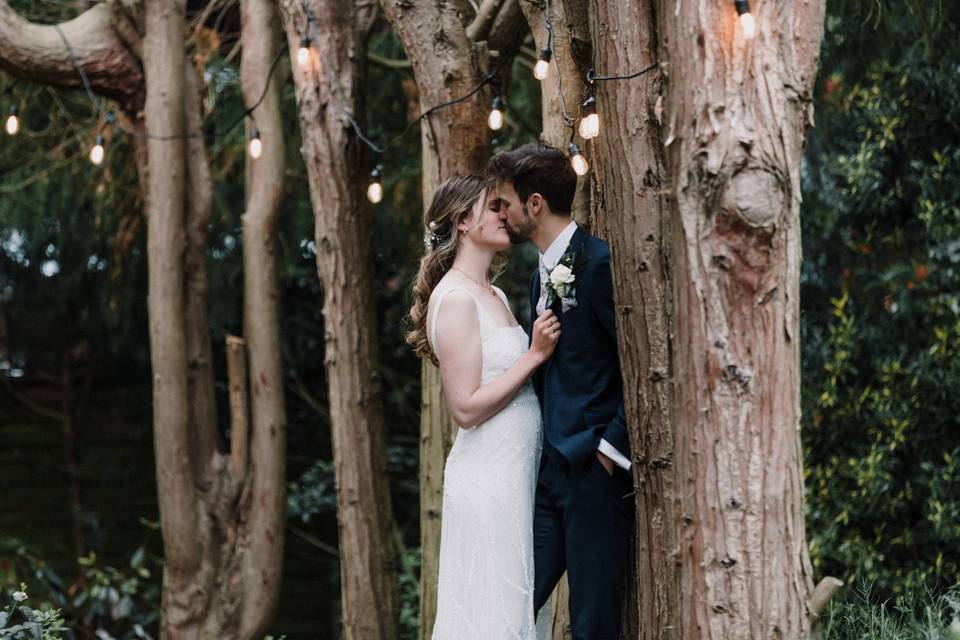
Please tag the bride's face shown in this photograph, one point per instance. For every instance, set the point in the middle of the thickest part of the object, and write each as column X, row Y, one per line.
column 483, row 225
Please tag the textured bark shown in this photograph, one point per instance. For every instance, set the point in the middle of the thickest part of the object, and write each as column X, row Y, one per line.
column 262, row 535
column 38, row 53
column 633, row 212
column 737, row 112
column 337, row 171
column 446, row 65
column 180, row 519
column 201, row 397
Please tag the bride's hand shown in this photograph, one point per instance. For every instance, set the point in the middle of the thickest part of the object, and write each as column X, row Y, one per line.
column 546, row 332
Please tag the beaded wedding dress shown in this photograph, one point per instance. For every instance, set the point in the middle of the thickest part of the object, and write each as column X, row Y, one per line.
column 485, row 586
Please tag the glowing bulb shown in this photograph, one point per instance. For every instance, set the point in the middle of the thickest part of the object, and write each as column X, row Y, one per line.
column 746, row 18
column 97, row 152
column 590, row 122
column 495, row 121
column 375, row 190
column 579, row 163
column 256, row 147
column 13, row 123
column 542, row 68
column 303, row 53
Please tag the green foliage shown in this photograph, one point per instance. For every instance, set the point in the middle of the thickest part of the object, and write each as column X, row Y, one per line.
column 119, row 603
column 921, row 617
column 881, row 307
column 21, row 621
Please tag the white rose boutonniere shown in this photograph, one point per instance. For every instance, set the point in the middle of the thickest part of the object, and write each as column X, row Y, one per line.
column 561, row 283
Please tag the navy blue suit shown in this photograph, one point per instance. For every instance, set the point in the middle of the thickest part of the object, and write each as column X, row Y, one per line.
column 583, row 515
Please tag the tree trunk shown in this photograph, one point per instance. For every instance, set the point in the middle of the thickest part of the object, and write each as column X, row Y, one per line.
column 737, row 111
column 263, row 534
column 201, row 397
column 337, row 170
column 447, row 65
column 180, row 519
column 635, row 216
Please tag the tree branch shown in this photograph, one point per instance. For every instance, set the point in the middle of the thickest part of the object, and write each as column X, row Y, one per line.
column 479, row 29
column 37, row 53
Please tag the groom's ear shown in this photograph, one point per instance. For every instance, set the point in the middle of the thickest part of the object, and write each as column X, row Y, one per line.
column 535, row 204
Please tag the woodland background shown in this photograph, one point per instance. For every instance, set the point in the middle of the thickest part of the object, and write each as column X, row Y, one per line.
column 880, row 300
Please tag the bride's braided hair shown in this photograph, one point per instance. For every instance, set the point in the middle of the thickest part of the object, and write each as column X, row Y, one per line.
column 452, row 201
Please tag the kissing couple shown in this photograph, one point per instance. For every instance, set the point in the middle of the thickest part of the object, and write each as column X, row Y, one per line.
column 538, row 481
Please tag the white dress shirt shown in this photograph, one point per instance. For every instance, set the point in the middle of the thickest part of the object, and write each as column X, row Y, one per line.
column 549, row 260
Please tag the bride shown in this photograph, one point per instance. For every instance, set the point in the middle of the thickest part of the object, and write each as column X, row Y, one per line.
column 464, row 324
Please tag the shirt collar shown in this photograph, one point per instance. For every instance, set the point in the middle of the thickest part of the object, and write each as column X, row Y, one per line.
column 554, row 252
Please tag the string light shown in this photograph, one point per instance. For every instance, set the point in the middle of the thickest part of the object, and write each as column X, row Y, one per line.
column 98, row 151
column 746, row 18
column 589, row 120
column 303, row 53
column 542, row 68
column 256, row 146
column 495, row 121
column 13, row 123
column 375, row 190
column 580, row 165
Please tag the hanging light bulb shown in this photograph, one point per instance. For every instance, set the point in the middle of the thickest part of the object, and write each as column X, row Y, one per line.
column 590, row 121
column 303, row 53
column 579, row 163
column 97, row 151
column 542, row 68
column 375, row 190
column 256, row 146
column 746, row 18
column 13, row 123
column 495, row 121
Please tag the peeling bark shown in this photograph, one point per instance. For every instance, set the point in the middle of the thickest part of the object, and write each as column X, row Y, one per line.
column 337, row 171
column 736, row 113
column 634, row 213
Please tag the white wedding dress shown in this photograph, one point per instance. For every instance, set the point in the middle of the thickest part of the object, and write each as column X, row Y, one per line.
column 485, row 587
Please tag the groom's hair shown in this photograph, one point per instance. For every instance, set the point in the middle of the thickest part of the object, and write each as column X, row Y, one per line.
column 537, row 168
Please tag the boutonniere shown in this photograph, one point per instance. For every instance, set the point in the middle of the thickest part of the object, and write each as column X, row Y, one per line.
column 561, row 281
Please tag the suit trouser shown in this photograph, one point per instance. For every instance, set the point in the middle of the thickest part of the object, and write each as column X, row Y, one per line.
column 583, row 521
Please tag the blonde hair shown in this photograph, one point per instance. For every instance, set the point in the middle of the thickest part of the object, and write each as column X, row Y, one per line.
column 452, row 202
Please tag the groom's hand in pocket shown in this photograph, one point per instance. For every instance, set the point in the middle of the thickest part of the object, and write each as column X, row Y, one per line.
column 605, row 461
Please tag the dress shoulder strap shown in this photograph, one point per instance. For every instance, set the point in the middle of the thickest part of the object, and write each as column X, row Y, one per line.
column 435, row 310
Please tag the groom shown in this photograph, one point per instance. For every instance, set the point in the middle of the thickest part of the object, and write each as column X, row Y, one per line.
column 584, row 504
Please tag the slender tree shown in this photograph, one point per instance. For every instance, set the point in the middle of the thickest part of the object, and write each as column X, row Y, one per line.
column 450, row 59
column 330, row 92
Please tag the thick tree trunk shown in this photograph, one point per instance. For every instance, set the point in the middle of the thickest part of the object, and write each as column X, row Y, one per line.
column 447, row 64
column 337, row 173
column 736, row 111
column 635, row 217
column 263, row 534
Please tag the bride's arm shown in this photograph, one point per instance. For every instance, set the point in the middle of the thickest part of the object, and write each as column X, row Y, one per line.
column 461, row 360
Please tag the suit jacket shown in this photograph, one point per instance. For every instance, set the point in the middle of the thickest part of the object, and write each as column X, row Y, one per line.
column 579, row 387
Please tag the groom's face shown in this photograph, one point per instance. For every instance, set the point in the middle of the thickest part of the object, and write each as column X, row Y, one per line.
column 513, row 213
